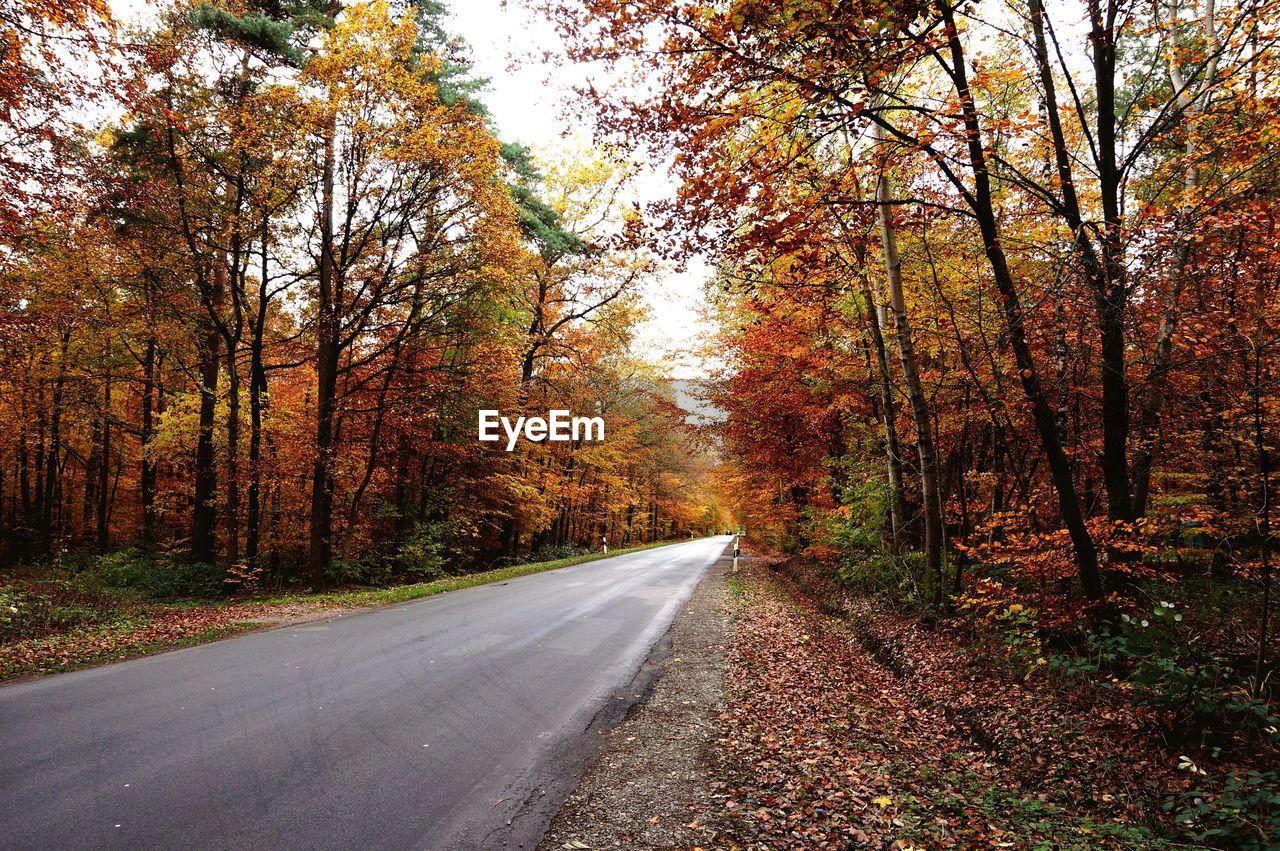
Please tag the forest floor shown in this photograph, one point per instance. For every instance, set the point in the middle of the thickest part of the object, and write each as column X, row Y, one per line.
column 50, row 624
column 781, row 722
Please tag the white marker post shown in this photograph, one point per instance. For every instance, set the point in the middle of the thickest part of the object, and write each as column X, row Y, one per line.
column 604, row 542
column 736, row 552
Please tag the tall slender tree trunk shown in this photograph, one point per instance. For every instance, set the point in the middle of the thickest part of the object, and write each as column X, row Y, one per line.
column 103, row 537
column 327, row 360
column 51, row 501
column 892, row 449
column 147, row 475
column 929, row 488
column 404, row 489
column 276, row 509
column 205, row 515
column 257, row 411
column 258, row 403
column 24, row 465
column 92, row 464
column 1263, row 517
column 1085, row 552
column 1104, row 263
column 233, row 333
column 371, row 462
column 233, row 457
column 42, row 431
column 1191, row 104
column 1111, row 285
column 1115, row 404
column 257, row 407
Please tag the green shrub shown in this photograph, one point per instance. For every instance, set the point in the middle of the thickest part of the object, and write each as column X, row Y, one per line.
column 145, row 576
column 49, row 606
column 1240, row 811
column 863, row 526
column 21, row 615
column 856, row 534
column 359, row 572
column 556, row 552
column 1009, row 636
column 1152, row 660
column 879, row 574
column 421, row 556
column 12, row 605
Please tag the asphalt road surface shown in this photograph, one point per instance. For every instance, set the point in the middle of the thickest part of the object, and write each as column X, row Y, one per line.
column 455, row 722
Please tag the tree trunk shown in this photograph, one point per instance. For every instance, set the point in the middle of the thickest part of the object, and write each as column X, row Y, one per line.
column 258, row 404
column 104, row 492
column 375, row 440
column 91, row 466
column 257, row 408
column 1103, row 267
column 24, row 466
column 147, row 476
column 327, row 360
column 1112, row 290
column 233, row 458
column 51, row 501
column 1263, row 519
column 1085, row 552
column 205, row 516
column 42, row 428
column 892, row 450
column 929, row 490
column 1153, row 398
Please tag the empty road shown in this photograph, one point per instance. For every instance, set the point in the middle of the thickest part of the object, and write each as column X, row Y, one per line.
column 454, row 722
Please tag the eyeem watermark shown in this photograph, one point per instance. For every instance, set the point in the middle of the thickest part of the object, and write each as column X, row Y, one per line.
column 557, row 425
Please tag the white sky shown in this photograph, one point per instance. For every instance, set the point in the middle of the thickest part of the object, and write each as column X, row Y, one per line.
column 529, row 100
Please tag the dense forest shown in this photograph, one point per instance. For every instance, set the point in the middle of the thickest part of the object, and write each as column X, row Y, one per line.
column 997, row 300
column 251, row 314
column 1020, row 290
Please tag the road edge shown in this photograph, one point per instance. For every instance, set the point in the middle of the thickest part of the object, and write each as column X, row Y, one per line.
column 653, row 692
column 328, row 607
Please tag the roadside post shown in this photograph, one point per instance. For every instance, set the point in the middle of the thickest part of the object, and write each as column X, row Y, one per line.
column 736, row 552
column 604, row 542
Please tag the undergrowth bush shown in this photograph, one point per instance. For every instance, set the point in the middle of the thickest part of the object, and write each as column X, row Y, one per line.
column 144, row 575
column 11, row 603
column 418, row 556
column 881, row 575
column 1009, row 636
column 1240, row 810
column 1191, row 691
column 856, row 535
column 421, row 556
column 556, row 552
column 50, row 606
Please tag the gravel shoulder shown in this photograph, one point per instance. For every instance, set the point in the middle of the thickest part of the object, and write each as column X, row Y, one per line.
column 654, row 772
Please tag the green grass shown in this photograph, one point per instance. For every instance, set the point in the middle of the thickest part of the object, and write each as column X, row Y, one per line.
column 401, row 593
